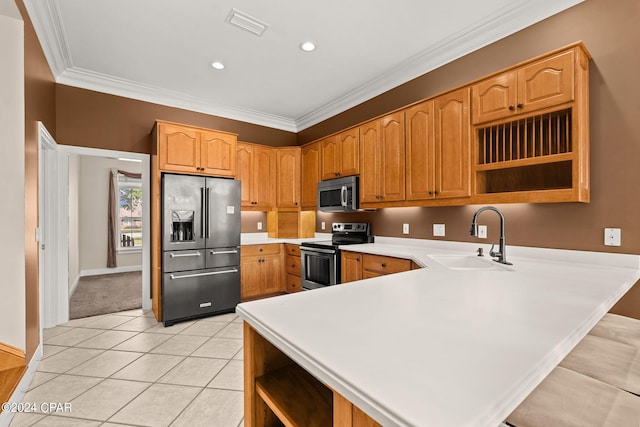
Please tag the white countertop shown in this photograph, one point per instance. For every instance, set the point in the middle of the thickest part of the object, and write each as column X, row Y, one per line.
column 263, row 238
column 443, row 347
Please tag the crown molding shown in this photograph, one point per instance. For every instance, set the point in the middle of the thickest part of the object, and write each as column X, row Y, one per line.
column 47, row 21
column 520, row 14
column 87, row 79
column 517, row 16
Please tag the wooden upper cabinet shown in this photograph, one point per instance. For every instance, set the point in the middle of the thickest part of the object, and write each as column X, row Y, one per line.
column 420, row 151
column 256, row 171
column 196, row 150
column 310, row 175
column 369, row 163
column 218, row 153
column 535, row 86
column 178, row 148
column 288, row 177
column 453, row 144
column 392, row 156
column 382, row 160
column 330, row 164
column 341, row 154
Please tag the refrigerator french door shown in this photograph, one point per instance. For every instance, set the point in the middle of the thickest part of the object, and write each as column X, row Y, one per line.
column 200, row 246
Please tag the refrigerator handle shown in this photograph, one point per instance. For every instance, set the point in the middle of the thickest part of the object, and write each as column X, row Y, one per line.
column 208, row 214
column 202, row 211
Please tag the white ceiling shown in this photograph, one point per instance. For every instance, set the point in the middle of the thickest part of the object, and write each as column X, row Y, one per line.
column 160, row 50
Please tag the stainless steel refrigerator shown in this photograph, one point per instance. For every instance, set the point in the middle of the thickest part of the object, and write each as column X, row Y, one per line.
column 200, row 246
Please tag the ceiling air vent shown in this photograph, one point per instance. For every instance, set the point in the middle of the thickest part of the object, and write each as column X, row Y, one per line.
column 247, row 22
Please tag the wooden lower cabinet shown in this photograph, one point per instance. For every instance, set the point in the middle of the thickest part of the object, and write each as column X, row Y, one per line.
column 357, row 266
column 292, row 267
column 261, row 271
column 277, row 391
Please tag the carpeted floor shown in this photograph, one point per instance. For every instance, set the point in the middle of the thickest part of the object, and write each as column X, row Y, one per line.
column 107, row 293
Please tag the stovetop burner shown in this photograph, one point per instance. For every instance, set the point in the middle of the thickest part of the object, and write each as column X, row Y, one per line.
column 344, row 233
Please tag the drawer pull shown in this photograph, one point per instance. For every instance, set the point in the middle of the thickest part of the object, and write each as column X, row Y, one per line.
column 223, row 252
column 205, row 304
column 209, row 273
column 172, row 255
column 383, row 265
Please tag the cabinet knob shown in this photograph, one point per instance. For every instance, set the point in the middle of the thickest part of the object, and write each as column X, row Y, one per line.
column 511, row 108
column 520, row 106
column 358, row 259
column 383, row 265
column 431, row 193
column 260, row 250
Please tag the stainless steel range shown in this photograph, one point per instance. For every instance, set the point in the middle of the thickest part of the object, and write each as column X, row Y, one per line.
column 321, row 259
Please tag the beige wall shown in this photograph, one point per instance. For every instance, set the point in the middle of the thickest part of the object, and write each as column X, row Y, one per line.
column 12, row 214
column 74, row 225
column 93, row 201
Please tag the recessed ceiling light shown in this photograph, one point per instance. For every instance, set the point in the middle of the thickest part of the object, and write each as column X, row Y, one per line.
column 308, row 46
column 217, row 65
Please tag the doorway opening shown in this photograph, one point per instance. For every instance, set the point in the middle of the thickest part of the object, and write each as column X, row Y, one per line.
column 80, row 257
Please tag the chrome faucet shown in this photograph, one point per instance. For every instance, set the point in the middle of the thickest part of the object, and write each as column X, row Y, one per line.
column 501, row 255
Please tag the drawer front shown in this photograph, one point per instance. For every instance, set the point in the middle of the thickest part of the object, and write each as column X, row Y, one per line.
column 251, row 250
column 292, row 249
column 192, row 293
column 293, row 283
column 183, row 260
column 385, row 265
column 223, row 257
column 293, row 265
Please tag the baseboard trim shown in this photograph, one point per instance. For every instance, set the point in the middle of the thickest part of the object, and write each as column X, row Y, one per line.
column 100, row 271
column 74, row 286
column 14, row 351
column 23, row 386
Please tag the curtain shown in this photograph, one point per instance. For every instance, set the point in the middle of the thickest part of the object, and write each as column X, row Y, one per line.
column 112, row 231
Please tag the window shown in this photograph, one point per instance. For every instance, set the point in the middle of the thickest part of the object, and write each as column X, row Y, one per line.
column 129, row 213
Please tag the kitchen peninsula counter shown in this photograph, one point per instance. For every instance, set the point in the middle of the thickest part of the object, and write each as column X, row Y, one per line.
column 444, row 347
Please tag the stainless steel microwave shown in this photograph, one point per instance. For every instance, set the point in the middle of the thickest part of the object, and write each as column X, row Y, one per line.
column 338, row 195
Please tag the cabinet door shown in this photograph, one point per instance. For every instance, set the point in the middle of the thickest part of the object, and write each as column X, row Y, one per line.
column 246, row 168
column 288, row 177
column 453, row 141
column 420, row 136
column 495, row 98
column 310, row 175
column 351, row 268
column 178, row 149
column 264, row 174
column 546, row 83
column 330, row 158
column 251, row 277
column 370, row 163
column 349, row 152
column 218, row 153
column 392, row 156
column 273, row 274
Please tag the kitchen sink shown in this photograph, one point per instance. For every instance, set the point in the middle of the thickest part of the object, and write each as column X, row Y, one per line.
column 468, row 262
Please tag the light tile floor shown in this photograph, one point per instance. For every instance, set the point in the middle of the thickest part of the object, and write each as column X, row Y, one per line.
column 126, row 369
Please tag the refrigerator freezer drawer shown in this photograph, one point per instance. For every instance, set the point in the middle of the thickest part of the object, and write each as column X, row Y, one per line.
column 194, row 293
column 222, row 257
column 183, row 260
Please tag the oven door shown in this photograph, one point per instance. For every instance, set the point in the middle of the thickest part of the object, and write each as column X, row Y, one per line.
column 320, row 267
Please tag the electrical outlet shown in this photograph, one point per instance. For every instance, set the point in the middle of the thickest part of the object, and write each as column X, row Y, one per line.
column 322, row 225
column 405, row 228
column 482, row 232
column 438, row 230
column 259, row 225
column 612, row 236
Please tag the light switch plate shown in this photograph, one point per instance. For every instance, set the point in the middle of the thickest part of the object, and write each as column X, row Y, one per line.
column 405, row 228
column 612, row 236
column 259, row 225
column 438, row 230
column 482, row 232
column 322, row 225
